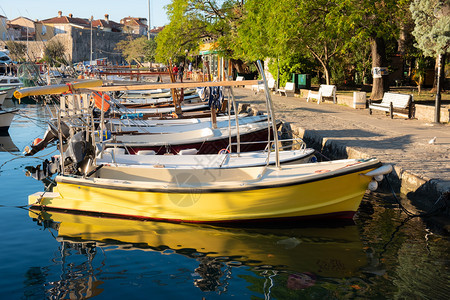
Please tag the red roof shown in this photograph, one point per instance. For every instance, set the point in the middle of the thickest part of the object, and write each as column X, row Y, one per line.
column 130, row 21
column 67, row 20
column 107, row 24
column 157, row 29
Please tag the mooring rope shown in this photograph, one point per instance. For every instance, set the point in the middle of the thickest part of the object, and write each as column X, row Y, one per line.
column 435, row 209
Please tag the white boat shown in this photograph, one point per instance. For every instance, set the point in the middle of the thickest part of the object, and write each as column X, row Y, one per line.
column 2, row 98
column 254, row 136
column 160, row 110
column 146, row 92
column 9, row 91
column 10, row 81
column 6, row 143
column 156, row 101
column 166, row 122
column 189, row 159
column 189, row 127
column 6, row 117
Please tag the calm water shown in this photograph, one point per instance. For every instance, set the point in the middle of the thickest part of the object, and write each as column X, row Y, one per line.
column 62, row 256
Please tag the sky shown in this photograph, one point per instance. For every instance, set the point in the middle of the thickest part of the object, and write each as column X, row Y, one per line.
column 116, row 9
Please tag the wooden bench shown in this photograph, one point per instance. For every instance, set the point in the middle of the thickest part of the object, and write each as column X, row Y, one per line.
column 289, row 89
column 395, row 104
column 325, row 91
column 261, row 87
column 240, row 78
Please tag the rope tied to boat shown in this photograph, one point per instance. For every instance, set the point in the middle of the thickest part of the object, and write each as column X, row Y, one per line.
column 439, row 206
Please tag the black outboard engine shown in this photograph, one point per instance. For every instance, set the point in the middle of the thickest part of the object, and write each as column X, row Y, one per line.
column 50, row 135
column 80, row 152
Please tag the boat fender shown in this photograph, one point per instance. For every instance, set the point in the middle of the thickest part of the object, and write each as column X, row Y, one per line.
column 385, row 169
column 373, row 185
column 378, row 177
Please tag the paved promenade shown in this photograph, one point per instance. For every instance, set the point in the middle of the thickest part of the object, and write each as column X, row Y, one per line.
column 422, row 170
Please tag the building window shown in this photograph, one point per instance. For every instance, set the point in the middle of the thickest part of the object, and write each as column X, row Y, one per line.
column 44, row 29
column 59, row 29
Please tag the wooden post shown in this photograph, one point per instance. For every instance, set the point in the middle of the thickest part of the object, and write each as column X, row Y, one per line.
column 174, row 91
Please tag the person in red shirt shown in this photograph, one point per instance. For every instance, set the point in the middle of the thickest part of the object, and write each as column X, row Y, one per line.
column 175, row 71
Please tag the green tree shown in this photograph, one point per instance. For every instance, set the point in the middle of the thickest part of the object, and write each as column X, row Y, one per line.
column 17, row 50
column 314, row 29
column 432, row 23
column 377, row 22
column 137, row 50
column 54, row 53
column 193, row 20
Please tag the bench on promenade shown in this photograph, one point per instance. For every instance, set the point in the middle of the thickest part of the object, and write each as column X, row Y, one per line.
column 260, row 86
column 325, row 91
column 395, row 104
column 289, row 89
column 240, row 78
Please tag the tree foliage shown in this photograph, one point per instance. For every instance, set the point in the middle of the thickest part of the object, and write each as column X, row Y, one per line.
column 193, row 20
column 137, row 50
column 55, row 53
column 17, row 50
column 432, row 26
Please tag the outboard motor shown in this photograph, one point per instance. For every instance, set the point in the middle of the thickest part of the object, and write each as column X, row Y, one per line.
column 80, row 152
column 50, row 135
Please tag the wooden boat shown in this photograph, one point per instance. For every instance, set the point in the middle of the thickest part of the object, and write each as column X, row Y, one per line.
column 189, row 159
column 253, row 137
column 271, row 248
column 253, row 194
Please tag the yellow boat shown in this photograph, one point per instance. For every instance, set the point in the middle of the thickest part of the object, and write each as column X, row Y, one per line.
column 330, row 252
column 251, row 194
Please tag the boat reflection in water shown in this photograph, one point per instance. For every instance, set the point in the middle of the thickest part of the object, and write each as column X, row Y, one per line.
column 301, row 254
column 6, row 143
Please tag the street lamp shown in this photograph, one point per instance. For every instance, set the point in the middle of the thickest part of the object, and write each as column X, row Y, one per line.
column 90, row 61
column 149, row 24
column 438, row 13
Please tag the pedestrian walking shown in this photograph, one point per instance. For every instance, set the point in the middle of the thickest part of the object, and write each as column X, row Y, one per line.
column 175, row 72
column 181, row 71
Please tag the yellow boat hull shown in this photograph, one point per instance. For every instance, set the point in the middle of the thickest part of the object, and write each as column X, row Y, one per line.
column 337, row 196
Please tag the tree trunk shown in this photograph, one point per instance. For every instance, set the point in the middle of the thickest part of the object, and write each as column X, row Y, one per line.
column 326, row 72
column 380, row 84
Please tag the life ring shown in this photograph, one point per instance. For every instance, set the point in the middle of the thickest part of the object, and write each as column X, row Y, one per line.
column 223, row 151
